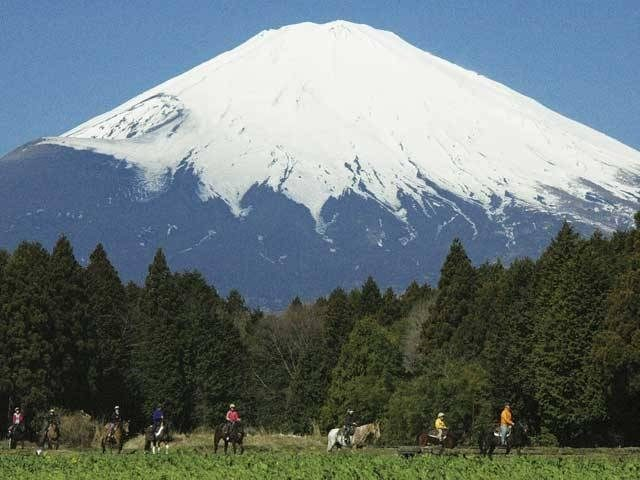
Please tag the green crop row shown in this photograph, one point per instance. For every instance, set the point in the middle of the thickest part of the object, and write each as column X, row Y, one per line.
column 308, row 466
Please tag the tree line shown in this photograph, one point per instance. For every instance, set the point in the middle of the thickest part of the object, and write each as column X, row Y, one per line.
column 557, row 337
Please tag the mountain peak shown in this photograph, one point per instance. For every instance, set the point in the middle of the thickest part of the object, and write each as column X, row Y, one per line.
column 315, row 111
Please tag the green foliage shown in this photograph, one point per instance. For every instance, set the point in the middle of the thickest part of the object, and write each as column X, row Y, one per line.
column 459, row 389
column 316, row 465
column 369, row 367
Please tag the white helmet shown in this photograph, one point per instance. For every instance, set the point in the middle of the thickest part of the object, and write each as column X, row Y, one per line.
column 440, row 415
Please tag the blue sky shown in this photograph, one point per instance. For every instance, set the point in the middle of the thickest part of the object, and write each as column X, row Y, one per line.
column 62, row 62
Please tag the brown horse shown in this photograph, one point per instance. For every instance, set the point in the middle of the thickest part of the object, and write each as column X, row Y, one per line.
column 233, row 436
column 51, row 436
column 430, row 439
column 116, row 440
column 365, row 434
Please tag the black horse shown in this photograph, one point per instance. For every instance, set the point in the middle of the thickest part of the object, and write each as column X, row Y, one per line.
column 21, row 434
column 232, row 434
column 490, row 439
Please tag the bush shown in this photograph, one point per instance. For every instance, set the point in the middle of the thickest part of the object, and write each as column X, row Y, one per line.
column 78, row 430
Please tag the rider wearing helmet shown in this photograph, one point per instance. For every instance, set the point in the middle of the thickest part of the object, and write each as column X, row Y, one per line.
column 17, row 421
column 232, row 418
column 349, row 425
column 52, row 418
column 506, row 422
column 441, row 427
column 116, row 418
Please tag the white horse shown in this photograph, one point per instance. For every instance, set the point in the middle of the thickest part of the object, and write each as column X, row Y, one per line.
column 362, row 434
column 337, row 439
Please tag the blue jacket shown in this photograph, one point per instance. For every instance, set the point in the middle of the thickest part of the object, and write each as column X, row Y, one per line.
column 157, row 415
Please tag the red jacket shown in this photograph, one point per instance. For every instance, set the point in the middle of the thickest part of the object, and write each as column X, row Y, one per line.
column 18, row 418
column 233, row 416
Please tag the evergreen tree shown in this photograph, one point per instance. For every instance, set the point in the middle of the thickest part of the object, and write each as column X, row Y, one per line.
column 26, row 356
column 73, row 377
column 157, row 353
column 570, row 302
column 369, row 367
column 215, row 358
column 508, row 344
column 618, row 352
column 456, row 291
column 108, row 311
column 468, row 338
column 391, row 309
column 370, row 300
column 338, row 322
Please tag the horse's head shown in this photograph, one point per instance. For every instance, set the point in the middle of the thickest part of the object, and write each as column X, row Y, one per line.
column 125, row 427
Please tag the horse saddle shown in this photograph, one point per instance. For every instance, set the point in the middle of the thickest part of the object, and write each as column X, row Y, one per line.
column 496, row 433
column 434, row 434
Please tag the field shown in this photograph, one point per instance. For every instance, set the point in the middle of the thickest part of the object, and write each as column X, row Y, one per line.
column 285, row 457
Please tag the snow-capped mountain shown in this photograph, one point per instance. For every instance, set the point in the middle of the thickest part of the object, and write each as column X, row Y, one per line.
column 318, row 154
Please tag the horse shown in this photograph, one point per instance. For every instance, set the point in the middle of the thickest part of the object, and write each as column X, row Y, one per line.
column 362, row 434
column 430, row 439
column 232, row 434
column 20, row 434
column 154, row 440
column 51, row 436
column 117, row 439
column 490, row 439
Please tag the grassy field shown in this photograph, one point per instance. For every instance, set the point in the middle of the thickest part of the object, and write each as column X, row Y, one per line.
column 290, row 457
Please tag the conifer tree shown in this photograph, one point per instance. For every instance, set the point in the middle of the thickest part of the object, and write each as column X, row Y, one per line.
column 468, row 338
column 370, row 300
column 26, row 356
column 570, row 301
column 456, row 290
column 108, row 311
column 391, row 309
column 73, row 377
column 157, row 354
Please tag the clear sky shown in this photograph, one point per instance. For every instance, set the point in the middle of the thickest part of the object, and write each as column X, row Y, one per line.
column 63, row 62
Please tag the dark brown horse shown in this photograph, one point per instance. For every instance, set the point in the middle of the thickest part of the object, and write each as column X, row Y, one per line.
column 232, row 435
column 430, row 439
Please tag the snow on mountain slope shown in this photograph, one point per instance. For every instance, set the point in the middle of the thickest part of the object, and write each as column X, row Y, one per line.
column 314, row 111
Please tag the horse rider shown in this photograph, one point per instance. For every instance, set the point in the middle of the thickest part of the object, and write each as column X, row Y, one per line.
column 17, row 421
column 52, row 418
column 116, row 418
column 441, row 427
column 506, row 423
column 232, row 418
column 349, row 425
column 158, row 418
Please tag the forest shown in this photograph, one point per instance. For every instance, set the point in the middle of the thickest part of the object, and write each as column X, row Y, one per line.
column 557, row 337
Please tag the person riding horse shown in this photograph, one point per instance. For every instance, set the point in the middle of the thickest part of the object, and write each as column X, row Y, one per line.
column 116, row 418
column 349, row 426
column 17, row 421
column 233, row 419
column 441, row 427
column 506, row 423
column 157, row 418
column 52, row 419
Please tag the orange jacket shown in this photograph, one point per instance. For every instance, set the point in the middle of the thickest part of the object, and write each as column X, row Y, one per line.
column 505, row 417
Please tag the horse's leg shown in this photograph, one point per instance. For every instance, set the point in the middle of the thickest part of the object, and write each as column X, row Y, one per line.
column 166, row 448
column 226, row 445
